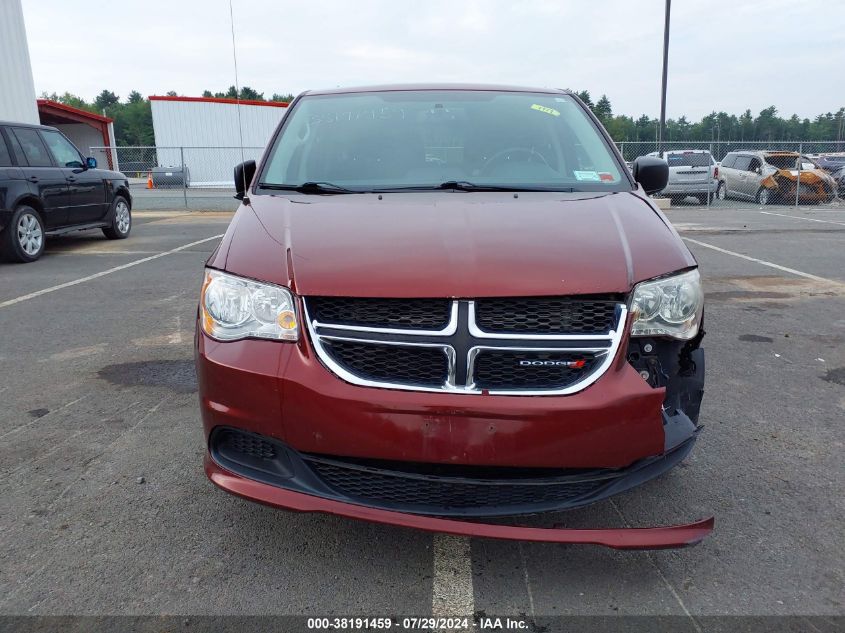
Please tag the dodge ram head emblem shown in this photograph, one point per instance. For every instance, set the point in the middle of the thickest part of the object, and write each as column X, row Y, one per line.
column 576, row 364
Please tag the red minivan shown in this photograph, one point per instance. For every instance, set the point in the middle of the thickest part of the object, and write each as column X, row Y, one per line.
column 438, row 304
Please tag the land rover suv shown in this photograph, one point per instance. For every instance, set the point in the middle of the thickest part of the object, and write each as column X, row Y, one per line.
column 48, row 188
column 438, row 304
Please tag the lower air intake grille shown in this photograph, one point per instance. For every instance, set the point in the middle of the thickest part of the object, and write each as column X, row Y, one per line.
column 245, row 444
column 399, row 488
column 425, row 366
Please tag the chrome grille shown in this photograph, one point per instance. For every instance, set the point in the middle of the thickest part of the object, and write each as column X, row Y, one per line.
column 428, row 366
column 519, row 346
column 552, row 315
column 420, row 314
column 516, row 369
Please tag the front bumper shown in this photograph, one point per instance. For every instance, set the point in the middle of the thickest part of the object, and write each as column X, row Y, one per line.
column 282, row 391
column 691, row 188
column 445, row 490
column 621, row 427
column 618, row 538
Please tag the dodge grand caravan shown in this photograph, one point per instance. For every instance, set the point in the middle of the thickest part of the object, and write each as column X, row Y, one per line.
column 438, row 304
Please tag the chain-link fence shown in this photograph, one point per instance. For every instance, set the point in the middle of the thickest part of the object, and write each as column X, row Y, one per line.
column 189, row 177
column 748, row 173
column 709, row 173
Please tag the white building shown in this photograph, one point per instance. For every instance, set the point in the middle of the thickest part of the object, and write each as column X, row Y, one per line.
column 207, row 132
column 17, row 94
column 91, row 133
column 17, row 88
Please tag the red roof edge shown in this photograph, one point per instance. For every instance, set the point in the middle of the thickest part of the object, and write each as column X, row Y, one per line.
column 274, row 104
column 71, row 110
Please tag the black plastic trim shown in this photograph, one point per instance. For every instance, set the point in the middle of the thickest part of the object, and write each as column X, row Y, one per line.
column 304, row 479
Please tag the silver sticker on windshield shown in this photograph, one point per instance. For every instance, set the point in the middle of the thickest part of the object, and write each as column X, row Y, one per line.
column 587, row 175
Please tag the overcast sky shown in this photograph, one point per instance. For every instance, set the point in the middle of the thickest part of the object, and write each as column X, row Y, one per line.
column 724, row 55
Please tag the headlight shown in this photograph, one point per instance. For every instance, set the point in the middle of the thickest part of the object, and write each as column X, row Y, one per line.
column 235, row 308
column 668, row 307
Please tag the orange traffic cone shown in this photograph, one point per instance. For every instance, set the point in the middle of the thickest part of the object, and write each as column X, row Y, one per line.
column 150, row 184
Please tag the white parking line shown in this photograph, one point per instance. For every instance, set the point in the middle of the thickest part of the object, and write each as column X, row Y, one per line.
column 68, row 284
column 523, row 559
column 452, row 593
column 669, row 585
column 798, row 217
column 763, row 262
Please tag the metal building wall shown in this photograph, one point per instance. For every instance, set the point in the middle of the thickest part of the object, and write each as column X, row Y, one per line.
column 17, row 88
column 208, row 132
column 85, row 137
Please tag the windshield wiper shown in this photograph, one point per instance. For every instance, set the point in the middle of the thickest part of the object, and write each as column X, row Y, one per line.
column 309, row 187
column 465, row 185
column 456, row 185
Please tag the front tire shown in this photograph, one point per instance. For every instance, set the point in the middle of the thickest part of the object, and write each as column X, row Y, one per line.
column 764, row 197
column 121, row 220
column 23, row 240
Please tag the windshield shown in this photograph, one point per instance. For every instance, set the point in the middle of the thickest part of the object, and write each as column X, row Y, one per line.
column 782, row 161
column 688, row 159
column 422, row 139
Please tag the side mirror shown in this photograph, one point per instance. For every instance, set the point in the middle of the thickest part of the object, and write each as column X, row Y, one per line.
column 243, row 177
column 651, row 172
column 90, row 163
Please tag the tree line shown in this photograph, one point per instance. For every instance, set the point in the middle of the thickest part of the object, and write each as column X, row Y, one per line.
column 720, row 126
column 133, row 121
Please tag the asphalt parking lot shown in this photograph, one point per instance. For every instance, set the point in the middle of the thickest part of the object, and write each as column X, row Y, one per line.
column 106, row 510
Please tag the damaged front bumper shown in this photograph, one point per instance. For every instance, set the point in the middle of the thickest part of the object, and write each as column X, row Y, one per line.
column 811, row 185
column 340, row 453
column 618, row 538
column 264, row 470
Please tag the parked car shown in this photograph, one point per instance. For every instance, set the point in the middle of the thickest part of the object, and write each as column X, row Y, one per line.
column 692, row 173
column 48, row 188
column 767, row 177
column 397, row 330
column 839, row 177
column 830, row 162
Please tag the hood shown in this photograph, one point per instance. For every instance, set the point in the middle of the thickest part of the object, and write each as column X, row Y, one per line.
column 452, row 244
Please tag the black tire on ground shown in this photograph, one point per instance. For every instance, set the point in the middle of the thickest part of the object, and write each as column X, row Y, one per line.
column 121, row 219
column 702, row 198
column 722, row 191
column 764, row 196
column 23, row 240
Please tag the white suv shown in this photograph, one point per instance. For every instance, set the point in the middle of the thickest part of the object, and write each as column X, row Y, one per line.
column 692, row 172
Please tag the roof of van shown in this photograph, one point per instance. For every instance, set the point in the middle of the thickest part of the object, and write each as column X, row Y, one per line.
column 436, row 86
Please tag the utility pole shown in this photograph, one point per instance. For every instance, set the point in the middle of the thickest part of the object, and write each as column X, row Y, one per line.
column 662, row 126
